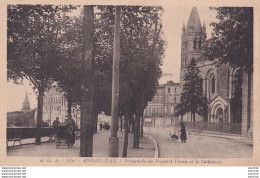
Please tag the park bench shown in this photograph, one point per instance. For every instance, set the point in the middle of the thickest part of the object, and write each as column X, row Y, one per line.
column 16, row 138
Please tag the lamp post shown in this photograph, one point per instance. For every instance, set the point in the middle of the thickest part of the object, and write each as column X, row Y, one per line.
column 114, row 140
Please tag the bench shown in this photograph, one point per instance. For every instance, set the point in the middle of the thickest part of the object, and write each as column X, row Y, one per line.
column 16, row 138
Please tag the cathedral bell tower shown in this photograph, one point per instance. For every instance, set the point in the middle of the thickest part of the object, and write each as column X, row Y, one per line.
column 26, row 104
column 192, row 38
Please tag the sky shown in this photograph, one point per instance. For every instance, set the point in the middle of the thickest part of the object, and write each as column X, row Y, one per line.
column 173, row 19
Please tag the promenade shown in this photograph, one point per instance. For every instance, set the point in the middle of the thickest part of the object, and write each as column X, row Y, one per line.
column 100, row 147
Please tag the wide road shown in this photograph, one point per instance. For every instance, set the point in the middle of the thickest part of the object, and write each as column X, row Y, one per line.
column 199, row 146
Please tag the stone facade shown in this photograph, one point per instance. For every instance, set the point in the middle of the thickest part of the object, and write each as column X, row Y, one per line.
column 55, row 105
column 159, row 112
column 220, row 84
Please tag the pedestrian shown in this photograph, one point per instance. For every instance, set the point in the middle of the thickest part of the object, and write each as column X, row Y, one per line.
column 55, row 124
column 71, row 128
column 183, row 135
column 100, row 126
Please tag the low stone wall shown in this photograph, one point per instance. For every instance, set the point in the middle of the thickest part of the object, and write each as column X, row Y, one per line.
column 27, row 132
column 232, row 128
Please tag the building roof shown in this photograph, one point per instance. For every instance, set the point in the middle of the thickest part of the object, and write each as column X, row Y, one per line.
column 170, row 82
column 194, row 21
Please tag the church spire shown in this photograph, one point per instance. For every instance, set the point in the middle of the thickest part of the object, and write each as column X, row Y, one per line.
column 183, row 28
column 26, row 104
column 204, row 27
column 194, row 24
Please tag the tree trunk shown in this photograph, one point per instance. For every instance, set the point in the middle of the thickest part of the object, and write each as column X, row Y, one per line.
column 136, row 132
column 121, row 123
column 95, row 118
column 86, row 122
column 249, row 75
column 39, row 116
column 142, row 126
column 133, row 124
column 129, row 125
column 69, row 100
column 193, row 117
column 126, row 137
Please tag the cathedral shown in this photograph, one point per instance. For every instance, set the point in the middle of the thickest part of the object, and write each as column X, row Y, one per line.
column 227, row 90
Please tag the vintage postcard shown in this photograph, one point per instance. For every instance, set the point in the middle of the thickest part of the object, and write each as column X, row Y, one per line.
column 129, row 83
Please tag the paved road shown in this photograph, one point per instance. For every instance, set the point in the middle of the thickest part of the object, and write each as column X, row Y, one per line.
column 199, row 146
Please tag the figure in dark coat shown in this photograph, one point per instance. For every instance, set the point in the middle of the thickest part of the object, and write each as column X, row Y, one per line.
column 183, row 135
column 71, row 128
column 56, row 124
column 100, row 126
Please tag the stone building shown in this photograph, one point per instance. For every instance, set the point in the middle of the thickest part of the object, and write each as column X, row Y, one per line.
column 26, row 117
column 55, row 105
column 159, row 112
column 229, row 96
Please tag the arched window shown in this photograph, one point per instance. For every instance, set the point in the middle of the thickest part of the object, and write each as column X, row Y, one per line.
column 213, row 84
column 194, row 43
column 201, row 83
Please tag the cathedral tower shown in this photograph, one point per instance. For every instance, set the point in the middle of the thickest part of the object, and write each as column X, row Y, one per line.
column 192, row 38
column 26, row 104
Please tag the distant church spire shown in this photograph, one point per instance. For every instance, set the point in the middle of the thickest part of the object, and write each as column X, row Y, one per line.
column 183, row 28
column 194, row 24
column 26, row 104
column 204, row 27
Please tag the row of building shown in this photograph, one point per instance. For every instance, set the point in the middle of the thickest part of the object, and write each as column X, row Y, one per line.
column 54, row 105
column 228, row 91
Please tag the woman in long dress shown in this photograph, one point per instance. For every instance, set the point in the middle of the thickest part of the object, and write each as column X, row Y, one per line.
column 183, row 135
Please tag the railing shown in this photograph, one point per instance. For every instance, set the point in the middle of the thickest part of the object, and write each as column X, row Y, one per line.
column 232, row 128
column 27, row 132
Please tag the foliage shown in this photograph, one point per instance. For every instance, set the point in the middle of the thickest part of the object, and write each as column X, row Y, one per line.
column 68, row 75
column 191, row 99
column 232, row 42
column 142, row 50
column 33, row 38
column 34, row 49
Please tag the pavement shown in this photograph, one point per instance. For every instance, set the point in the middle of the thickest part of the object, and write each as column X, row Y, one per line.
column 156, row 143
column 201, row 144
column 147, row 147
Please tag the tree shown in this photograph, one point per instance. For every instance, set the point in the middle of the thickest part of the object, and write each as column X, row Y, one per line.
column 33, row 47
column 142, row 50
column 232, row 42
column 86, row 106
column 192, row 99
column 68, row 76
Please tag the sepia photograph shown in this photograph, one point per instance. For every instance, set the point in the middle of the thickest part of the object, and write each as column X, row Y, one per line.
column 144, row 83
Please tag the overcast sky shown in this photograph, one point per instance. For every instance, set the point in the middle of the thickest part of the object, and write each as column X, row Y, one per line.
column 173, row 19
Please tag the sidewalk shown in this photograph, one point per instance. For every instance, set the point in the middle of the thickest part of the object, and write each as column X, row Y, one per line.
column 100, row 147
column 212, row 134
column 239, row 138
column 201, row 144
